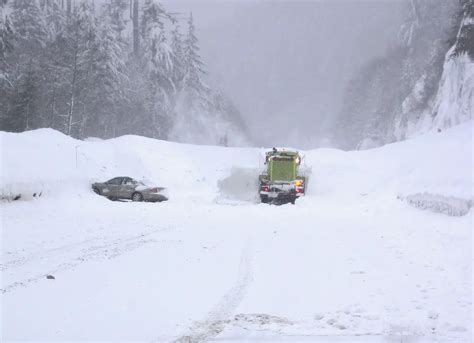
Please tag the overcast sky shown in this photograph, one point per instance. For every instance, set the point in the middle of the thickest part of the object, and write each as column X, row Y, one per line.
column 285, row 63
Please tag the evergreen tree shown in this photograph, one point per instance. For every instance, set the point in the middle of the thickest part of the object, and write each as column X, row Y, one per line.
column 6, row 44
column 55, row 17
column 465, row 35
column 26, row 65
column 6, row 49
column 156, row 52
column 195, row 89
column 114, row 10
column 66, row 65
column 54, row 77
column 136, row 32
column 80, row 40
column 156, row 55
column 29, row 24
column 105, row 76
column 177, row 57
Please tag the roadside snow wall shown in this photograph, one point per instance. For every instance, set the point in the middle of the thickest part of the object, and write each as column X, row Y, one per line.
column 451, row 206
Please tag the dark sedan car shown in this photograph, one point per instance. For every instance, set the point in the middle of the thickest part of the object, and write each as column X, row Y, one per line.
column 125, row 187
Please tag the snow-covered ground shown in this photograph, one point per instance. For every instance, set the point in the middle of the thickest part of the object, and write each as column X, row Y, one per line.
column 352, row 261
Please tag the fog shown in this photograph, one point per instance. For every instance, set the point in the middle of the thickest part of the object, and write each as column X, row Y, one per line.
column 285, row 64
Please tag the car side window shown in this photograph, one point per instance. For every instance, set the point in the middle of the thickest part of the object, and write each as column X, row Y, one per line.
column 127, row 181
column 115, row 181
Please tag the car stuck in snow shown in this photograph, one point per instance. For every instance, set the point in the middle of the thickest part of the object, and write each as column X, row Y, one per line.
column 126, row 188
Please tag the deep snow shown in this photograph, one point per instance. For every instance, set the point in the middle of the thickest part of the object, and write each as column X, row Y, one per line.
column 349, row 262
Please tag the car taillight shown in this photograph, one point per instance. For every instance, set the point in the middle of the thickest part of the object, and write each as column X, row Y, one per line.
column 265, row 188
column 299, row 190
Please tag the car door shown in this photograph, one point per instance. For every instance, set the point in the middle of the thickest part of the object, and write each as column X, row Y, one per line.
column 112, row 186
column 127, row 188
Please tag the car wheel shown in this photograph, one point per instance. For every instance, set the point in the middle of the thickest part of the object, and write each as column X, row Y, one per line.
column 137, row 197
column 96, row 190
column 264, row 199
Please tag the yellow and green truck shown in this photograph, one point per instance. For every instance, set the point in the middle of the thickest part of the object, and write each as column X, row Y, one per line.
column 281, row 181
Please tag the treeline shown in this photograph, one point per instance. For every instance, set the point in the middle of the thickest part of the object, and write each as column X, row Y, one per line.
column 391, row 94
column 104, row 69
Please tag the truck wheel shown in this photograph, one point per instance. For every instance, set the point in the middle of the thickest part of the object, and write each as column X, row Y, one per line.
column 137, row 196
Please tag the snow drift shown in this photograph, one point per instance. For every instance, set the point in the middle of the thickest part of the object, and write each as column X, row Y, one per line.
column 436, row 163
column 437, row 203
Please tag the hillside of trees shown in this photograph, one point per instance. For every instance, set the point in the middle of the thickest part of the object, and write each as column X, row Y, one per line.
column 405, row 92
column 108, row 68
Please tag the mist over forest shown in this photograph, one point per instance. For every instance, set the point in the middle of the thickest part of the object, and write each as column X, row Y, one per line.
column 347, row 74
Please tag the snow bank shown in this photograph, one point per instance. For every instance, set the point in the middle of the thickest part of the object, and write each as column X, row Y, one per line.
column 45, row 161
column 439, row 204
column 436, row 163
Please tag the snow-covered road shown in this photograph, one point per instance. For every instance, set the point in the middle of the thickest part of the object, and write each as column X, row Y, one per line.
column 350, row 262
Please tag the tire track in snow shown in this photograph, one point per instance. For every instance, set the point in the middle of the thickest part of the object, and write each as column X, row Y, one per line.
column 108, row 250
column 216, row 321
column 48, row 253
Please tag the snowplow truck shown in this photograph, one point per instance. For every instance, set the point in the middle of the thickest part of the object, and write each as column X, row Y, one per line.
column 280, row 182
